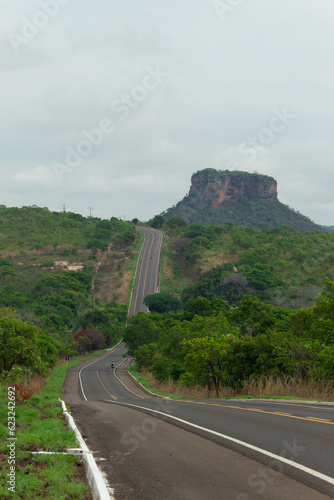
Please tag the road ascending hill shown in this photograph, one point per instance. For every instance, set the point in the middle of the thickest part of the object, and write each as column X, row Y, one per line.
column 164, row 449
column 148, row 269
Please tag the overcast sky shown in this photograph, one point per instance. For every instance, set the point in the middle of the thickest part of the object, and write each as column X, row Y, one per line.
column 115, row 104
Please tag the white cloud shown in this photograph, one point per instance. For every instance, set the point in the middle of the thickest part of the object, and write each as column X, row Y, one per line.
column 225, row 80
column 35, row 180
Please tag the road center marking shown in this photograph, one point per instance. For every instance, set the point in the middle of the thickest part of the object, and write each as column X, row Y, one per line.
column 278, row 413
column 98, row 376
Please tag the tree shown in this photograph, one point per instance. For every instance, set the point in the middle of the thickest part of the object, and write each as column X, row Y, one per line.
column 175, row 223
column 317, row 322
column 23, row 345
column 157, row 221
column 162, row 302
column 204, row 361
column 325, row 302
column 253, row 316
column 141, row 330
column 204, row 307
column 104, row 319
column 90, row 339
column 144, row 355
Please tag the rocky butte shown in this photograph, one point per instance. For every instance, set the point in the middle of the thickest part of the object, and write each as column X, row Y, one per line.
column 216, row 187
column 242, row 198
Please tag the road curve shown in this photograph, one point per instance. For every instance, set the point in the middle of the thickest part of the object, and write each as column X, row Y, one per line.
column 209, row 449
column 160, row 449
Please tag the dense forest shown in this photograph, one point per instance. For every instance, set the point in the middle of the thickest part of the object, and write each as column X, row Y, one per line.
column 212, row 344
column 51, row 270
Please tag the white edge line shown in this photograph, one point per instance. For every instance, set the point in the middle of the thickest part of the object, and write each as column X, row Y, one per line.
column 94, row 476
column 160, row 260
column 312, row 472
column 158, row 396
column 90, row 364
column 142, row 251
column 134, row 394
column 135, row 277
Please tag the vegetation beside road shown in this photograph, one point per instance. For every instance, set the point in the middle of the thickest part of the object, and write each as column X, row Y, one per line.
column 279, row 265
column 63, row 275
column 40, row 426
column 241, row 313
column 228, row 350
column 64, row 285
column 238, row 328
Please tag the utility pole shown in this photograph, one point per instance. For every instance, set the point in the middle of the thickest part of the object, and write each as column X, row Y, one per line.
column 90, row 212
column 64, row 208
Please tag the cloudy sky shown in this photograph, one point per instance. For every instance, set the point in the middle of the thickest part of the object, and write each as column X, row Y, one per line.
column 114, row 105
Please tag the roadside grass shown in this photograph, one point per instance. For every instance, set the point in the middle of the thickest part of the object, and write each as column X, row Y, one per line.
column 46, row 477
column 286, row 388
column 145, row 381
column 40, row 426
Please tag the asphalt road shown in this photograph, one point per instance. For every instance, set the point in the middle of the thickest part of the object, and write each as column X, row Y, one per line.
column 161, row 449
column 209, row 449
column 148, row 269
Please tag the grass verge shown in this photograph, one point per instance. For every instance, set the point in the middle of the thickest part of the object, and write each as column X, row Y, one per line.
column 40, row 426
column 145, row 381
column 284, row 388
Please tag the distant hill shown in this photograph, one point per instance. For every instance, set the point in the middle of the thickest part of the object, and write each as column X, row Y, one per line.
column 38, row 246
column 242, row 198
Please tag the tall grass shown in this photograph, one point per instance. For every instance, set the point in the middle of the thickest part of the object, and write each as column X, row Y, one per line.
column 265, row 387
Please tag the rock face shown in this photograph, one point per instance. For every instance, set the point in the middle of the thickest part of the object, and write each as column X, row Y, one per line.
column 219, row 197
column 215, row 188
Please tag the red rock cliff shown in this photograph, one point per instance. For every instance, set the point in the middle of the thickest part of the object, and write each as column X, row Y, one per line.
column 215, row 187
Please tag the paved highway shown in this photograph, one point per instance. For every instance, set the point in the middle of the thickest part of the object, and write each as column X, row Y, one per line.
column 224, row 449
column 163, row 449
column 148, row 269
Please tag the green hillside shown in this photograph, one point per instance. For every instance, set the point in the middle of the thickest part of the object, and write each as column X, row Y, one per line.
column 64, row 273
column 279, row 265
column 241, row 312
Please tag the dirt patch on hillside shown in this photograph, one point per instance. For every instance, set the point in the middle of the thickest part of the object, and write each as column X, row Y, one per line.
column 167, row 273
column 113, row 287
column 211, row 260
column 66, row 266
